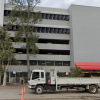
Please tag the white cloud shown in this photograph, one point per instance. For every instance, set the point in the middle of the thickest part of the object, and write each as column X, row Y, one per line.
column 67, row 3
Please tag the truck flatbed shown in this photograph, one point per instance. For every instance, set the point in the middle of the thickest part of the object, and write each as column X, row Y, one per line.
column 66, row 80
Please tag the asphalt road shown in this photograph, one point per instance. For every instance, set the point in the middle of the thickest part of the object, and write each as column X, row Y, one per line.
column 14, row 94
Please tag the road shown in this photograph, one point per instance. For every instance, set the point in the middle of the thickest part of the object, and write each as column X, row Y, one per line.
column 14, row 94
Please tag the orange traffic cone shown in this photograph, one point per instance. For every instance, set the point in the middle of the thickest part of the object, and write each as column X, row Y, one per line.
column 24, row 89
column 22, row 92
column 25, row 98
column 22, row 98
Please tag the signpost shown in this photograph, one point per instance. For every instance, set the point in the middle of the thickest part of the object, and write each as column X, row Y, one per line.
column 14, row 72
column 67, row 73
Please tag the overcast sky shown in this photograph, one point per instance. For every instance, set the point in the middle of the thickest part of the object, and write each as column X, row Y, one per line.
column 67, row 3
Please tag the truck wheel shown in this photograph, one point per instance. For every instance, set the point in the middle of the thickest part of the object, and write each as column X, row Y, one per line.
column 39, row 90
column 93, row 89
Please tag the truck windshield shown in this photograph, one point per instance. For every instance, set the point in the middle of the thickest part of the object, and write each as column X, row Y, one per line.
column 35, row 75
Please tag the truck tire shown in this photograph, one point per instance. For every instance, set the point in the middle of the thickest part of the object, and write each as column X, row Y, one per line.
column 39, row 90
column 93, row 89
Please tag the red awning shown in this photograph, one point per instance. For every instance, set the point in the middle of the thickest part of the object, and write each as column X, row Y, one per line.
column 88, row 65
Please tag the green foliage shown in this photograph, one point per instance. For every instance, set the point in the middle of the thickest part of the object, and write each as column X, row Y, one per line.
column 76, row 72
column 14, row 62
column 22, row 15
column 1, row 71
column 6, row 52
column 6, row 48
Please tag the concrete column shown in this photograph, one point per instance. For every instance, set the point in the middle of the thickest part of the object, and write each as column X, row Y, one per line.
column 9, row 77
column 1, row 12
column 5, row 1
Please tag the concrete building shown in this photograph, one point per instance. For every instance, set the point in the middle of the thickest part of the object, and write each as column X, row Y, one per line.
column 66, row 36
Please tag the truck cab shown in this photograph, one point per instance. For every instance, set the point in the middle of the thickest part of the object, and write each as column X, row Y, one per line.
column 39, row 82
column 37, row 77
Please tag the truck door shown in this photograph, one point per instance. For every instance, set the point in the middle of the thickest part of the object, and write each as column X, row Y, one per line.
column 42, row 77
column 35, row 78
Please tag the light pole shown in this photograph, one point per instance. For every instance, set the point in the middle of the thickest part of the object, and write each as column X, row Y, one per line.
column 9, row 70
column 19, row 70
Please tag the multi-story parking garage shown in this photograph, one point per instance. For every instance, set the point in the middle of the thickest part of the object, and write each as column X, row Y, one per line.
column 66, row 36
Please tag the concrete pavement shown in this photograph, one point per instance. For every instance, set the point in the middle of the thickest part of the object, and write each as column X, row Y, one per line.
column 14, row 94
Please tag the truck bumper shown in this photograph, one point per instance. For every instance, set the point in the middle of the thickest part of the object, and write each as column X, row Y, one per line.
column 31, row 86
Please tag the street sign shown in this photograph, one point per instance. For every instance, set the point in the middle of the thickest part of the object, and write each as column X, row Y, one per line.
column 67, row 73
column 14, row 72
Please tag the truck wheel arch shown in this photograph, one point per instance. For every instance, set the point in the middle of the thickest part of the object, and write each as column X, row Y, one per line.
column 39, row 89
column 93, row 89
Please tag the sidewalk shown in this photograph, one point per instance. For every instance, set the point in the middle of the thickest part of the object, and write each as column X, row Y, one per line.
column 12, row 85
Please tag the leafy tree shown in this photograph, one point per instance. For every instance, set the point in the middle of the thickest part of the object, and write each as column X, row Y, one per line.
column 76, row 72
column 25, row 18
column 14, row 62
column 6, row 52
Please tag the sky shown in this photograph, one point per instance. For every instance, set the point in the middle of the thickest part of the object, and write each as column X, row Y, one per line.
column 66, row 3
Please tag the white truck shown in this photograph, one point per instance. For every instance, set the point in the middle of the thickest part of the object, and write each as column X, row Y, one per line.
column 40, row 82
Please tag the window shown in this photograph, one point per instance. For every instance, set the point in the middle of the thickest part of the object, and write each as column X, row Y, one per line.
column 50, row 63
column 58, row 63
column 35, row 75
column 7, row 12
column 33, row 62
column 66, row 63
column 42, row 29
column 23, row 62
column 41, row 62
column 42, row 74
column 19, row 74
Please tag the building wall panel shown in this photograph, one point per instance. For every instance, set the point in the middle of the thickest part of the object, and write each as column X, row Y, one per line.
column 85, row 37
column 43, row 57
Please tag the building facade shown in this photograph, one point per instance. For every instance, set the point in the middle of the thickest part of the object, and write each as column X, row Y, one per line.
column 66, row 36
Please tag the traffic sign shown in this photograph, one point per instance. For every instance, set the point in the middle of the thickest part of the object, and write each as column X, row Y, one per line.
column 14, row 72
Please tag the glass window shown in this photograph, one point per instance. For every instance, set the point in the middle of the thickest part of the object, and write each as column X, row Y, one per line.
column 33, row 62
column 23, row 62
column 50, row 63
column 41, row 62
column 19, row 74
column 52, row 17
column 35, row 75
column 46, row 16
column 58, row 63
column 42, row 74
column 12, row 75
column 47, row 73
column 43, row 16
column 66, row 63
column 24, row 74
